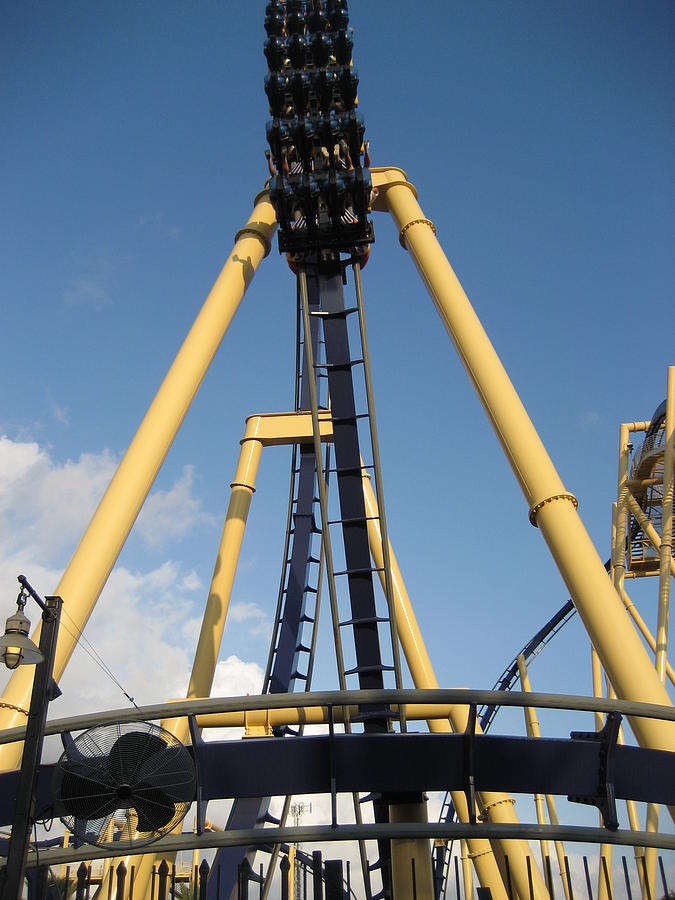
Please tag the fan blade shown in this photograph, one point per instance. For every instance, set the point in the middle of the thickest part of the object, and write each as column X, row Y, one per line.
column 86, row 798
column 154, row 808
column 171, row 771
column 130, row 751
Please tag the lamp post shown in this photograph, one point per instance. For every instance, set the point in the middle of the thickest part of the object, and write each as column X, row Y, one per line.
column 17, row 649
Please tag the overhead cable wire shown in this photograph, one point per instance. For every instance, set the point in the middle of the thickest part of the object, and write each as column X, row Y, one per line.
column 86, row 645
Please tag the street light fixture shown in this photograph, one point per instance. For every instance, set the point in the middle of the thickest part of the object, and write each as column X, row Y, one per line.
column 17, row 649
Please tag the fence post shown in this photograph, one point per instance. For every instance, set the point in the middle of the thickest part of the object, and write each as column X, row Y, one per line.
column 132, row 875
column 204, row 869
column 663, row 877
column 588, row 879
column 316, row 875
column 568, row 876
column 284, row 868
column 529, row 878
column 335, row 889
column 163, row 877
column 243, row 872
column 629, row 892
column 37, row 883
column 121, row 878
column 549, row 877
column 509, row 883
column 81, row 882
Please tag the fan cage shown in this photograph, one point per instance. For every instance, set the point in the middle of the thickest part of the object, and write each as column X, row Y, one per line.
column 114, row 785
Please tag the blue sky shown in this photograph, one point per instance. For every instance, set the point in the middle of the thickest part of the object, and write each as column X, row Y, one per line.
column 540, row 137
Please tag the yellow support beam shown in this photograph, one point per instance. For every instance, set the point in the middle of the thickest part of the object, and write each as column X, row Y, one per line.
column 495, row 806
column 551, row 507
column 92, row 562
column 533, row 730
column 665, row 569
column 647, row 527
column 261, row 431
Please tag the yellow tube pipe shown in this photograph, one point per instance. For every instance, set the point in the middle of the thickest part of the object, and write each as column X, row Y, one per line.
column 648, row 528
column 466, row 871
column 605, row 849
column 623, row 656
column 496, row 806
column 533, row 730
column 667, row 564
column 665, row 567
column 222, row 581
column 646, row 633
column 407, row 849
column 215, row 613
column 631, row 807
column 104, row 538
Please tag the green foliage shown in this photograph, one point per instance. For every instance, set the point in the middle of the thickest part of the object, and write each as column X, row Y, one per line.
column 185, row 891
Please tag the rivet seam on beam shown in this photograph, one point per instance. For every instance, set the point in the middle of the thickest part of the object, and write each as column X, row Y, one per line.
column 476, row 853
column 267, row 244
column 4, row 705
column 407, row 227
column 484, row 815
column 535, row 509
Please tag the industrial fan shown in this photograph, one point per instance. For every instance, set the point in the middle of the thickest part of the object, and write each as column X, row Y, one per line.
column 123, row 785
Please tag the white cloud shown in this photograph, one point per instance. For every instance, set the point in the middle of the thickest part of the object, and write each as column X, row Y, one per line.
column 236, row 678
column 258, row 620
column 87, row 291
column 16, row 459
column 588, row 419
column 171, row 515
column 91, row 287
column 44, row 505
column 58, row 412
column 157, row 223
column 144, row 625
column 192, row 581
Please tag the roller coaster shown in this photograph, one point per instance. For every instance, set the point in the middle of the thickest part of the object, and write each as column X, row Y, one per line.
column 124, row 785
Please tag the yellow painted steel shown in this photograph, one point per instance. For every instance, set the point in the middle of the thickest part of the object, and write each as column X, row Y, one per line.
column 101, row 543
column 215, row 614
column 644, row 630
column 291, row 872
column 466, row 871
column 665, row 566
column 533, row 730
column 648, row 528
column 604, row 891
column 404, row 852
column 261, row 430
column 495, row 806
column 631, row 807
column 316, row 715
column 220, row 591
column 623, row 656
column 277, row 429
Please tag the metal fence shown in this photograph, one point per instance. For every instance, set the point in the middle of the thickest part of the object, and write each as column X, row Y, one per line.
column 327, row 880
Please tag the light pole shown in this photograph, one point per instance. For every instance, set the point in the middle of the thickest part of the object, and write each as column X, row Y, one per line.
column 298, row 809
column 17, row 649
